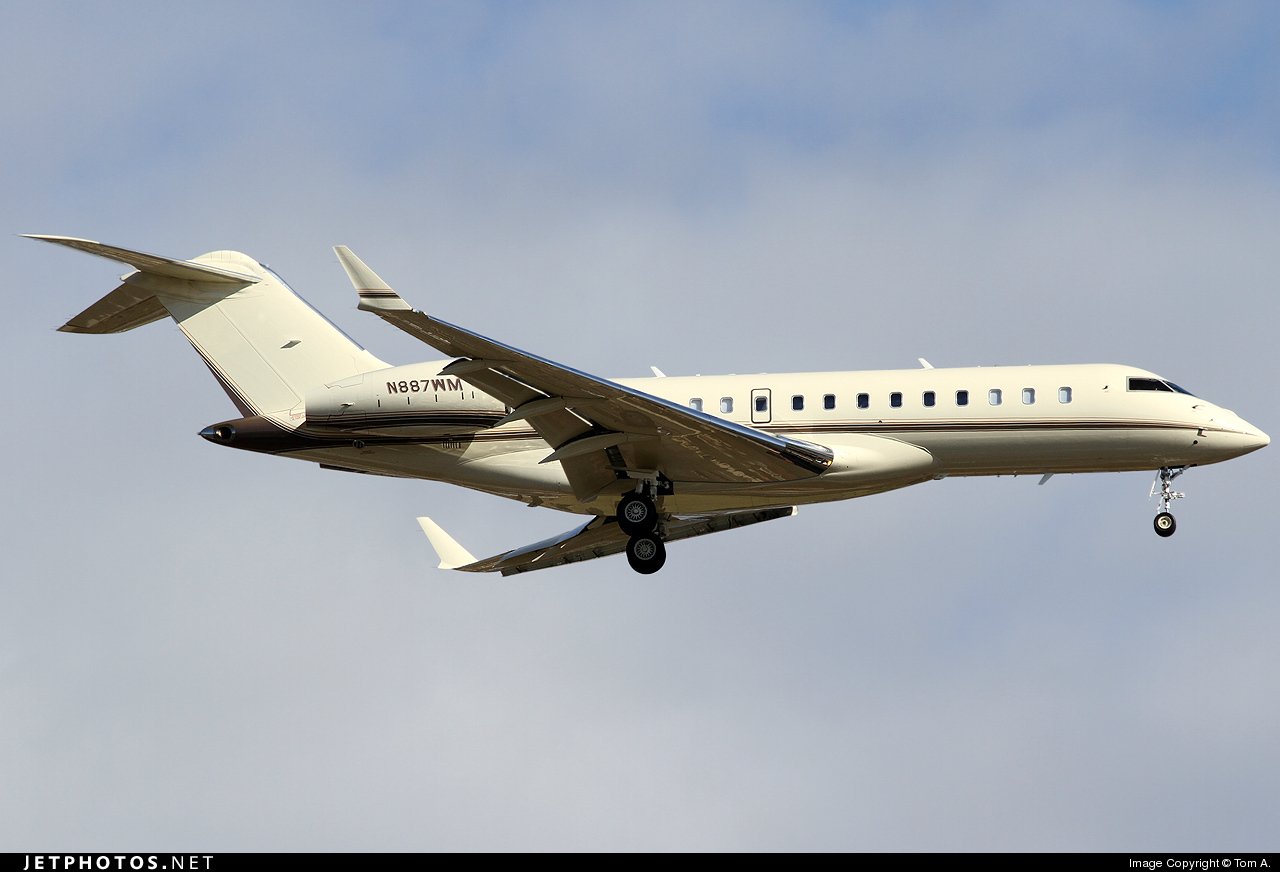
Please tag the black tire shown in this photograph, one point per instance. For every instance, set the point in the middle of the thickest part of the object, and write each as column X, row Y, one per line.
column 637, row 515
column 1165, row 524
column 646, row 554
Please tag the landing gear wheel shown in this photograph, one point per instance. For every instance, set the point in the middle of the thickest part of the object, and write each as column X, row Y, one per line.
column 1165, row 524
column 637, row 515
column 646, row 554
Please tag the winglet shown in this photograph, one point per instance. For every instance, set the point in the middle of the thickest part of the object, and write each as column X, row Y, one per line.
column 451, row 554
column 375, row 294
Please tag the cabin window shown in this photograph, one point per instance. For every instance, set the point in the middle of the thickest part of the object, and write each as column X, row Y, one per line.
column 962, row 398
column 1028, row 396
column 797, row 403
column 726, row 404
column 829, row 402
column 895, row 400
column 696, row 404
column 864, row 401
column 1064, row 395
column 930, row 399
column 762, row 404
column 994, row 396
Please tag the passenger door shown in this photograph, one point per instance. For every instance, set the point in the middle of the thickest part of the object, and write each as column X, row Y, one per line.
column 761, row 401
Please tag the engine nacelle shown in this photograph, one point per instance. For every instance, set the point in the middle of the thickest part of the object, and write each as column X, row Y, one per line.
column 410, row 400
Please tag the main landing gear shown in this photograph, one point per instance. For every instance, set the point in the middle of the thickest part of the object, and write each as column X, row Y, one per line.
column 638, row 518
column 1163, row 488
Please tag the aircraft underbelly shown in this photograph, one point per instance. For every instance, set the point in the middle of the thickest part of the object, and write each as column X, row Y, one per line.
column 512, row 471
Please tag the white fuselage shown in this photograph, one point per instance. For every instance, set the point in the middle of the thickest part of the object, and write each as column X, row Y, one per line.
column 655, row 460
column 408, row 421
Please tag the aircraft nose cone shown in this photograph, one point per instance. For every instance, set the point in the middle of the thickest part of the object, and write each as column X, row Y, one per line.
column 1253, row 437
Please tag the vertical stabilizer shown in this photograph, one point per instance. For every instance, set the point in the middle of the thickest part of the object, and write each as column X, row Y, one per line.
column 265, row 345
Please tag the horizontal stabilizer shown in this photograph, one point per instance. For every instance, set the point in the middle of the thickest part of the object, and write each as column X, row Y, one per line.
column 134, row 303
column 123, row 309
column 151, row 263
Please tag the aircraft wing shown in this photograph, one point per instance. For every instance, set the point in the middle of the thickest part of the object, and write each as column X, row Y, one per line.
column 600, row 537
column 600, row 430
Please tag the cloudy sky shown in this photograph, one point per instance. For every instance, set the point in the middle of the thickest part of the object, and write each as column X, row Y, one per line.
column 205, row 649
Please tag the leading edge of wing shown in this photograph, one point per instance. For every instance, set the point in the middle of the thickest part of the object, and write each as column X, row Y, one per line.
column 813, row 459
column 557, row 381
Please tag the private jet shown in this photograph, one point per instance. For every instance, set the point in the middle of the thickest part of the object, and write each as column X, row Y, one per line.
column 649, row 460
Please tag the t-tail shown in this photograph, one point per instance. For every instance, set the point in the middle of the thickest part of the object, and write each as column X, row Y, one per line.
column 266, row 346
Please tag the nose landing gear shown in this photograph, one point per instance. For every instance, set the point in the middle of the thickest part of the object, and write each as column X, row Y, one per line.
column 1163, row 487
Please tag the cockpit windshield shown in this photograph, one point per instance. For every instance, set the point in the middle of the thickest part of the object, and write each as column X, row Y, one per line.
column 1156, row 384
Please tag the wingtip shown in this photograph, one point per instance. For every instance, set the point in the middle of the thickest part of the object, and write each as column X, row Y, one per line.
column 54, row 237
column 363, row 278
column 375, row 294
column 452, row 555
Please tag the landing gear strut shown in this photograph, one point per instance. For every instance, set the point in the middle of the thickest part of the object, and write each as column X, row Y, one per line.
column 1163, row 488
